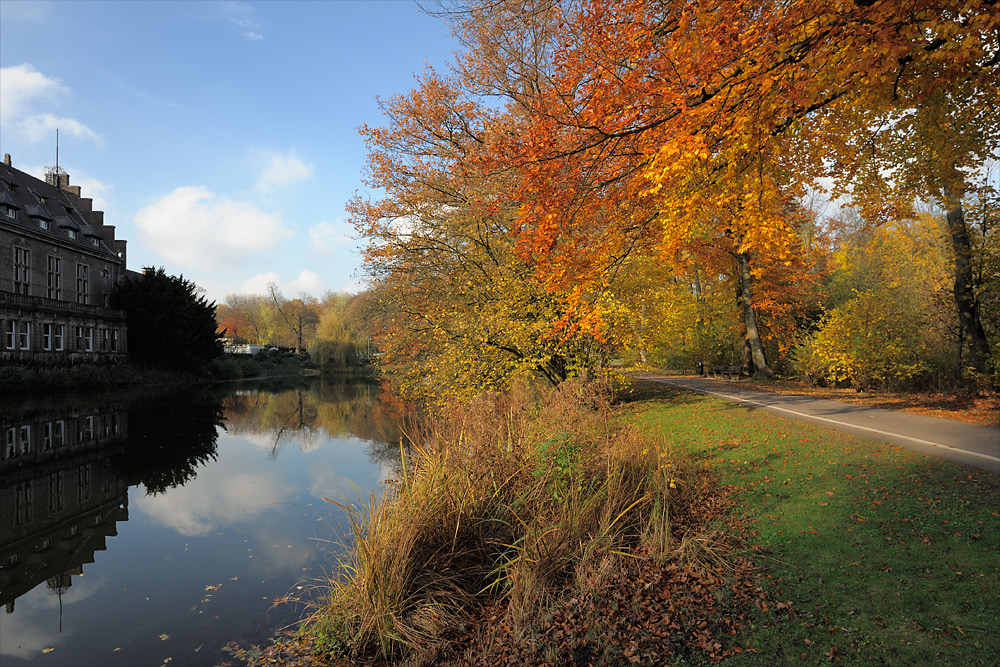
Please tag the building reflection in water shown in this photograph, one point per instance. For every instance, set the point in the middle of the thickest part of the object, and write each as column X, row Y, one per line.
column 65, row 473
column 61, row 496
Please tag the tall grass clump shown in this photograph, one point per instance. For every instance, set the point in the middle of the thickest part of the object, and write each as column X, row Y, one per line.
column 515, row 498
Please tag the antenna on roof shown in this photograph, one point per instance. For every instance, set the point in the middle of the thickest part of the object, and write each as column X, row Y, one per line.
column 55, row 175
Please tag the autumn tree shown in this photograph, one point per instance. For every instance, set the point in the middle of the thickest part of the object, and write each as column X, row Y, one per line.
column 242, row 318
column 662, row 121
column 573, row 139
column 297, row 317
column 343, row 333
column 460, row 310
column 890, row 319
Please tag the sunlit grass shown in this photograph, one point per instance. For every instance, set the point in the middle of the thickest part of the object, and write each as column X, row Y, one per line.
column 886, row 555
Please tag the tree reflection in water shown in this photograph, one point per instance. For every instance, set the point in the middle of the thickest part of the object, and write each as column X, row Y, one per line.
column 169, row 439
column 347, row 409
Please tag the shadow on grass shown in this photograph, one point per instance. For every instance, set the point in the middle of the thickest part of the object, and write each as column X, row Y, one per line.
column 884, row 555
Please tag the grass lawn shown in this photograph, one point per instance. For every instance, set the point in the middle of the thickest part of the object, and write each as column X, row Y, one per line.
column 884, row 555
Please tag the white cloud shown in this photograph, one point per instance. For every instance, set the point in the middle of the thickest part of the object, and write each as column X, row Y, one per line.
column 92, row 188
column 325, row 237
column 41, row 127
column 307, row 281
column 280, row 170
column 38, row 11
column 22, row 84
column 30, row 622
column 354, row 286
column 258, row 284
column 216, row 499
column 194, row 228
column 23, row 89
column 243, row 18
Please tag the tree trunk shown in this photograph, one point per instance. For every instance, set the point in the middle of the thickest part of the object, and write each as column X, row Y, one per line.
column 965, row 294
column 753, row 336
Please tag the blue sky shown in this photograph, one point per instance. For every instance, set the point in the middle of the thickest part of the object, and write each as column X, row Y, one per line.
column 220, row 138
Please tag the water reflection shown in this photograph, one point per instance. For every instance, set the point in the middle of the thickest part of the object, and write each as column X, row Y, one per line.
column 224, row 488
column 65, row 474
column 341, row 410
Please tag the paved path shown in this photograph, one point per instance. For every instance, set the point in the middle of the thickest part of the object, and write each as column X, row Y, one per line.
column 967, row 444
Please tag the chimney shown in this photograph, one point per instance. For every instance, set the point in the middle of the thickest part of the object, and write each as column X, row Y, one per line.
column 6, row 159
column 57, row 177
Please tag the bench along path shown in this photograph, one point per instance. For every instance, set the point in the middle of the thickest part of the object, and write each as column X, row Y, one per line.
column 971, row 445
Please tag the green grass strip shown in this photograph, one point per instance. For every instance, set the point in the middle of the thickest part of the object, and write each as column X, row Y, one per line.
column 886, row 555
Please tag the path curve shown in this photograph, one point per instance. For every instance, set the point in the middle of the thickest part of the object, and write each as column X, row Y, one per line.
column 971, row 445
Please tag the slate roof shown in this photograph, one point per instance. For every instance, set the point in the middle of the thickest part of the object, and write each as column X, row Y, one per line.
column 24, row 192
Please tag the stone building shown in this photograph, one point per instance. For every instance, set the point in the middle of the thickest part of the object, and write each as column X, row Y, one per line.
column 58, row 265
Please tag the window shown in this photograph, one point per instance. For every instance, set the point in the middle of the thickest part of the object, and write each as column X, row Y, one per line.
column 22, row 503
column 114, row 340
column 106, row 340
column 24, row 336
column 43, row 223
column 55, row 278
column 83, row 479
column 47, row 336
column 58, row 433
column 11, row 213
column 22, row 270
column 10, row 451
column 47, row 437
column 95, row 241
column 59, row 332
column 82, row 283
column 9, row 327
column 55, row 491
column 105, row 299
column 72, row 233
column 90, row 339
column 25, row 439
column 79, row 338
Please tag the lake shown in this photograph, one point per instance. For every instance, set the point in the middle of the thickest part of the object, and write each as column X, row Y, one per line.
column 157, row 527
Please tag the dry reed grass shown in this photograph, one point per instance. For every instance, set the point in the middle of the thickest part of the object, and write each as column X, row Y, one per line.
column 516, row 497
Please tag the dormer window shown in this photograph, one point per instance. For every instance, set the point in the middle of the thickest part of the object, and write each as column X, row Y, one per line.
column 96, row 242
column 44, row 224
column 8, row 206
column 65, row 222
